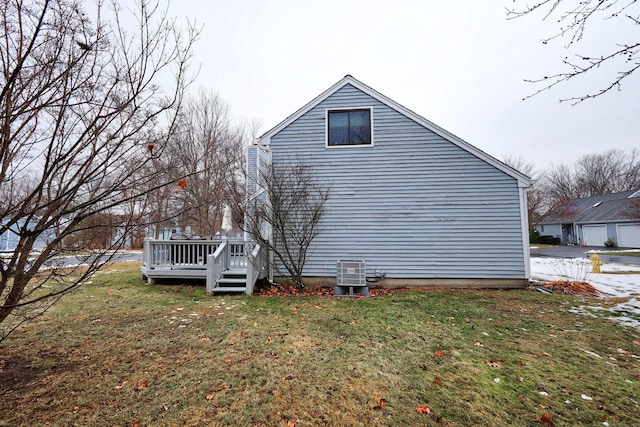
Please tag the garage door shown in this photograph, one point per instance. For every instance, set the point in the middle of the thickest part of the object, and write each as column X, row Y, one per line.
column 594, row 235
column 629, row 235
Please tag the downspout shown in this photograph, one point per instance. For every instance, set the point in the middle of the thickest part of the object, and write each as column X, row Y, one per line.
column 523, row 188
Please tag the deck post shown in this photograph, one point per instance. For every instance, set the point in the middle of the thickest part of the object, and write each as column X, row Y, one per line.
column 147, row 260
column 209, row 281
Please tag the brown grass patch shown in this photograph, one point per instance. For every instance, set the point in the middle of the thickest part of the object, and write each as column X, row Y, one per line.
column 121, row 352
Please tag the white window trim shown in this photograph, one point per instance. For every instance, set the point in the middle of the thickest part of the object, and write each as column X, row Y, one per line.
column 326, row 127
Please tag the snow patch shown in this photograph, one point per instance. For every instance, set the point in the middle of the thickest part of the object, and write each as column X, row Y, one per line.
column 620, row 281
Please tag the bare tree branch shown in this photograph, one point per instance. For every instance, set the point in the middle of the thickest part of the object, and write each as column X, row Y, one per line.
column 79, row 103
column 291, row 216
column 574, row 17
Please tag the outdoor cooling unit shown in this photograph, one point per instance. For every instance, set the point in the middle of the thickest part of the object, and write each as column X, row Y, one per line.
column 351, row 278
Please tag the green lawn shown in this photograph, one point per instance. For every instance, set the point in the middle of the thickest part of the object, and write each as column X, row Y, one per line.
column 121, row 352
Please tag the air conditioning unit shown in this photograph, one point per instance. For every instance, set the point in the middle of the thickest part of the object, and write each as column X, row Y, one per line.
column 351, row 278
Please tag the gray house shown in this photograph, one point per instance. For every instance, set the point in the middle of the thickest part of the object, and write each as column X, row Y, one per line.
column 419, row 205
column 592, row 221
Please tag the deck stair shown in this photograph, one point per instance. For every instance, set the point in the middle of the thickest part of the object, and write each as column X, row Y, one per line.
column 232, row 280
column 227, row 264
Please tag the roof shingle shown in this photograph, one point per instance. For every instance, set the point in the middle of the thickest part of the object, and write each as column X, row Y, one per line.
column 613, row 207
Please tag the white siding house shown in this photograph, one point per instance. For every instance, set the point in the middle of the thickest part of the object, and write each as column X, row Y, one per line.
column 417, row 203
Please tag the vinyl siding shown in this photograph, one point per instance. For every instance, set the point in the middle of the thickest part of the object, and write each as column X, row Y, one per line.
column 252, row 166
column 413, row 205
column 554, row 230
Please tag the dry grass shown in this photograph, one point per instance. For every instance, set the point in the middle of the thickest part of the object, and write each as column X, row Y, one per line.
column 120, row 352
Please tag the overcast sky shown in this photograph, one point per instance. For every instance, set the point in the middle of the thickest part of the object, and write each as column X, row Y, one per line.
column 460, row 64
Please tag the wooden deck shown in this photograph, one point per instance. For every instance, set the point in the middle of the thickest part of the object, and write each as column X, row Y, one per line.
column 221, row 262
column 176, row 259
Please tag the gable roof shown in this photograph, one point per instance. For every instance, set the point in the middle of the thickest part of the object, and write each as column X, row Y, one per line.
column 612, row 207
column 523, row 180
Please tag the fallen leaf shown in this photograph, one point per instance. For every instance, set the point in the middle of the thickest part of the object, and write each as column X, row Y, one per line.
column 636, row 342
column 493, row 364
column 381, row 403
column 109, row 291
column 142, row 384
column 119, row 387
column 291, row 424
column 423, row 410
column 437, row 381
column 210, row 395
column 229, row 362
column 478, row 344
column 566, row 391
column 545, row 420
column 520, row 378
column 439, row 353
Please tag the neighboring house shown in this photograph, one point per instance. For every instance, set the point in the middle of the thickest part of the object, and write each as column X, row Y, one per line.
column 9, row 238
column 418, row 204
column 596, row 220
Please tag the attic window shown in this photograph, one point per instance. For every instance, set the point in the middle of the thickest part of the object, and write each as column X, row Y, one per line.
column 349, row 127
column 595, row 205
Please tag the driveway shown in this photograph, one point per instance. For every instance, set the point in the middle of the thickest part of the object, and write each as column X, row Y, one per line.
column 579, row 252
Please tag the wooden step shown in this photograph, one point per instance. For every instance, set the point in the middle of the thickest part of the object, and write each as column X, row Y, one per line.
column 228, row 289
column 232, row 280
column 235, row 272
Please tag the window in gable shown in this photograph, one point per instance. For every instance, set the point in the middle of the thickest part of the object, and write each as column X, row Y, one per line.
column 349, row 127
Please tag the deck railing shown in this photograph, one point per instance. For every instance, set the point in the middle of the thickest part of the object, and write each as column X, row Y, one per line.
column 256, row 263
column 178, row 254
column 236, row 258
column 217, row 265
column 229, row 256
column 207, row 259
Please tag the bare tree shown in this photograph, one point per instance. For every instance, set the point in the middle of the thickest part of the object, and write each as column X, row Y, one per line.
column 291, row 216
column 535, row 195
column 209, row 146
column 574, row 18
column 559, row 181
column 604, row 173
column 611, row 171
column 80, row 104
column 520, row 164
